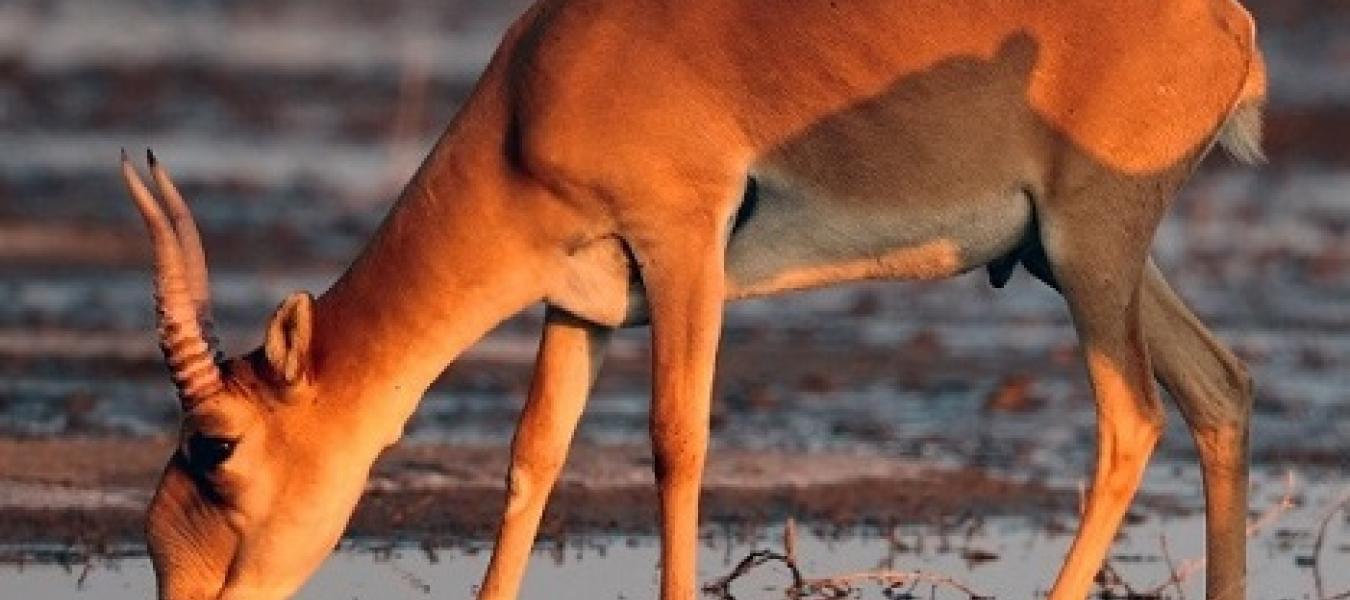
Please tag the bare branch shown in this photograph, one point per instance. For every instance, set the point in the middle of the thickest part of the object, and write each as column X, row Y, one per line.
column 837, row 586
column 1318, row 586
column 1191, row 566
column 721, row 587
column 1171, row 566
column 1275, row 512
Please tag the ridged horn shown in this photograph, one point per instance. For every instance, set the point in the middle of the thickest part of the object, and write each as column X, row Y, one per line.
column 194, row 256
column 189, row 239
column 181, row 299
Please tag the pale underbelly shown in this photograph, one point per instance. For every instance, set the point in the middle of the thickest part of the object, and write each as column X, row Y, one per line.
column 791, row 240
column 786, row 240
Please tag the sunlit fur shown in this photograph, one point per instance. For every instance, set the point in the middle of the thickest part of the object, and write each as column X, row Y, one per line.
column 645, row 161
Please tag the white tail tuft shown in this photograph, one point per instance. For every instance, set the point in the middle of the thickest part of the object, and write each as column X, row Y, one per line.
column 1241, row 134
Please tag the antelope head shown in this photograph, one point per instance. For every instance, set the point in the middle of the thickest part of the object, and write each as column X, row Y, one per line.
column 257, row 493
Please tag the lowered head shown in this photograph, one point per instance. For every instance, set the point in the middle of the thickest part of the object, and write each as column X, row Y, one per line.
column 260, row 487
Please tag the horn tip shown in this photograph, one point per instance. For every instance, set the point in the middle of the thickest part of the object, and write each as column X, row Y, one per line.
column 150, row 157
column 124, row 155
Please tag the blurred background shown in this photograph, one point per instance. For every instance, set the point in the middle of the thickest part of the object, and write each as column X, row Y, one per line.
column 291, row 126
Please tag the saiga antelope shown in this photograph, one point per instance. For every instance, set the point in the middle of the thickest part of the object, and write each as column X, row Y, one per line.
column 644, row 161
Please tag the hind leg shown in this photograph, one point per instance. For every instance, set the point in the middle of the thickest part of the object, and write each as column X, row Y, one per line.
column 1096, row 239
column 1214, row 391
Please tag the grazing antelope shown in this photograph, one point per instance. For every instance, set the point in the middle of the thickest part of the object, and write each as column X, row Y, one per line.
column 646, row 161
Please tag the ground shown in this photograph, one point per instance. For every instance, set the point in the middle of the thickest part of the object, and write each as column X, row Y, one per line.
column 894, row 407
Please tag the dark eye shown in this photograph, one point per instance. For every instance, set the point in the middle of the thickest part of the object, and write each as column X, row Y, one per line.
column 205, row 452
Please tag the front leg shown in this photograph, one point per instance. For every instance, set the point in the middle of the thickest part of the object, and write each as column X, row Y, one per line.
column 569, row 357
column 683, row 273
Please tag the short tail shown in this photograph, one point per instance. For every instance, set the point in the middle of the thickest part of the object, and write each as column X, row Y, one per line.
column 1241, row 134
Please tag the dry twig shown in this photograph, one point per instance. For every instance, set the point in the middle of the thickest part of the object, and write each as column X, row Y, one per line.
column 721, row 587
column 1318, row 586
column 1171, row 566
column 1275, row 512
column 1191, row 566
column 837, row 586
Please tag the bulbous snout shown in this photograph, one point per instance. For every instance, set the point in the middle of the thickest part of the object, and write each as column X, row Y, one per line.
column 263, row 548
column 200, row 551
column 190, row 540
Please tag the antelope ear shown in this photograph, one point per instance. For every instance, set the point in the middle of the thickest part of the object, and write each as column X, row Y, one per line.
column 288, row 336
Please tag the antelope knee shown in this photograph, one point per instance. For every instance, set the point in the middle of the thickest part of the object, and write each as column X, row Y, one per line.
column 1230, row 406
column 526, row 484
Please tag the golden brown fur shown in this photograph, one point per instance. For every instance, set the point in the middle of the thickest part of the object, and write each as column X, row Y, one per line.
column 606, row 164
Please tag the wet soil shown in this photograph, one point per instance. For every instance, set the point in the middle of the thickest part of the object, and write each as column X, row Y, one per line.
column 89, row 493
column 917, row 405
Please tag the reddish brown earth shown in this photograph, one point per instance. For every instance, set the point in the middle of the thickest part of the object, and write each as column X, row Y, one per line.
column 447, row 493
column 911, row 376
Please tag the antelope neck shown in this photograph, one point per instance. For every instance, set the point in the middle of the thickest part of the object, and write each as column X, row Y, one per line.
column 448, row 263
